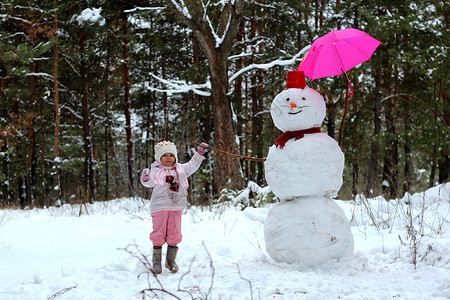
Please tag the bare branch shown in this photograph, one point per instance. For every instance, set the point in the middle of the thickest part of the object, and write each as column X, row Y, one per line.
column 158, row 9
column 143, row 259
column 249, row 282
column 177, row 86
column 3, row 220
column 213, row 270
column 63, row 291
column 277, row 62
column 181, row 278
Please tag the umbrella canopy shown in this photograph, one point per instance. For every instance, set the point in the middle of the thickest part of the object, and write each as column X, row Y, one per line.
column 337, row 52
column 334, row 54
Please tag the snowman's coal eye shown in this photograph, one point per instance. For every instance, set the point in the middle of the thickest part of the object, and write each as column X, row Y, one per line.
column 303, row 98
column 287, row 99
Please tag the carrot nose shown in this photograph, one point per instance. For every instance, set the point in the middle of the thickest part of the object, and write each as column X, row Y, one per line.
column 293, row 105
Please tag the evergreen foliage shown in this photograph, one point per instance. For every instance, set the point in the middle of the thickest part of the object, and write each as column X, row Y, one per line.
column 404, row 87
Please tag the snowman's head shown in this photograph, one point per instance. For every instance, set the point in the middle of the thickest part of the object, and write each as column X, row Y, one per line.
column 297, row 109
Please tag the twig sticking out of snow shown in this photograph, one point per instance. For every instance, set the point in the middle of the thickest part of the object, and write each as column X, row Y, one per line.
column 182, row 276
column 63, row 291
column 249, row 282
column 143, row 259
column 213, row 270
column 3, row 220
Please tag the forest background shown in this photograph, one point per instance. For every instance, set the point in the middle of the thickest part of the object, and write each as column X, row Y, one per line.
column 88, row 87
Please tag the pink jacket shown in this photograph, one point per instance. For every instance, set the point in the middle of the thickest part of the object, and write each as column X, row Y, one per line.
column 162, row 197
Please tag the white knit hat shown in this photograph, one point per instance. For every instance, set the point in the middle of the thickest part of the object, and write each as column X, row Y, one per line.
column 163, row 147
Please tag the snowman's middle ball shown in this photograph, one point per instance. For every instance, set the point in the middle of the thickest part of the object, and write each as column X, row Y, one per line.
column 296, row 109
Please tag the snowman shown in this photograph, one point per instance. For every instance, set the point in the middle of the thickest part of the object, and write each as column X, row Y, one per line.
column 304, row 169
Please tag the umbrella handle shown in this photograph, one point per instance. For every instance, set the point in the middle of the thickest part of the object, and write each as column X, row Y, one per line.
column 349, row 84
column 351, row 88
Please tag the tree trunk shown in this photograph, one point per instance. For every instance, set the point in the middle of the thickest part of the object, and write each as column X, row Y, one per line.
column 331, row 114
column 375, row 148
column 88, row 151
column 322, row 9
column 165, row 107
column 148, row 130
column 254, row 98
column 107, row 126
column 259, row 123
column 238, row 100
column 6, row 188
column 355, row 160
column 46, row 200
column 205, row 125
column 407, row 148
column 21, row 195
column 127, row 105
column 31, row 178
column 390, row 171
column 255, row 127
column 153, row 125
column 434, row 159
column 355, row 178
column 444, row 155
column 259, row 118
column 246, row 130
column 22, row 191
column 306, row 18
column 316, row 15
column 226, row 171
column 58, row 192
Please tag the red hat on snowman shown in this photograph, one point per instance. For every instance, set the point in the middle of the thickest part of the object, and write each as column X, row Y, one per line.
column 295, row 80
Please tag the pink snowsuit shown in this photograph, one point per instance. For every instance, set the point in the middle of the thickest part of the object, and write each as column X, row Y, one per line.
column 166, row 205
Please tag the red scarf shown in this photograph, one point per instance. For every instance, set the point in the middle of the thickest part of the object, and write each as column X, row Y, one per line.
column 286, row 136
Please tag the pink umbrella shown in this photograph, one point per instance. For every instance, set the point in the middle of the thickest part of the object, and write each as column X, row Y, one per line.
column 335, row 53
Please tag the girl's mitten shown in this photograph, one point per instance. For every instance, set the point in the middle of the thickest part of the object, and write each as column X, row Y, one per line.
column 145, row 174
column 202, row 148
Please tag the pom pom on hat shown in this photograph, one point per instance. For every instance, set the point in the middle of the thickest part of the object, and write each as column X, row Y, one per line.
column 296, row 80
column 163, row 147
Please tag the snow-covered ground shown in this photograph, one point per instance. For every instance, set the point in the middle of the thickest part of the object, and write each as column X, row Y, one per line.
column 54, row 253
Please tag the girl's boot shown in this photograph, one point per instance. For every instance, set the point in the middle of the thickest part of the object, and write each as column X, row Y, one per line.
column 156, row 261
column 170, row 259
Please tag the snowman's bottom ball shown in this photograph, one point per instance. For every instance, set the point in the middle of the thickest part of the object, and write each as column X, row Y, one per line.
column 308, row 231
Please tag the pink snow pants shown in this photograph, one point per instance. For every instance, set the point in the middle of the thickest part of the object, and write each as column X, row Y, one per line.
column 166, row 228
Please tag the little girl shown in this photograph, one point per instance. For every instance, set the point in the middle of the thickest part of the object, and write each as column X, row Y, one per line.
column 168, row 179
